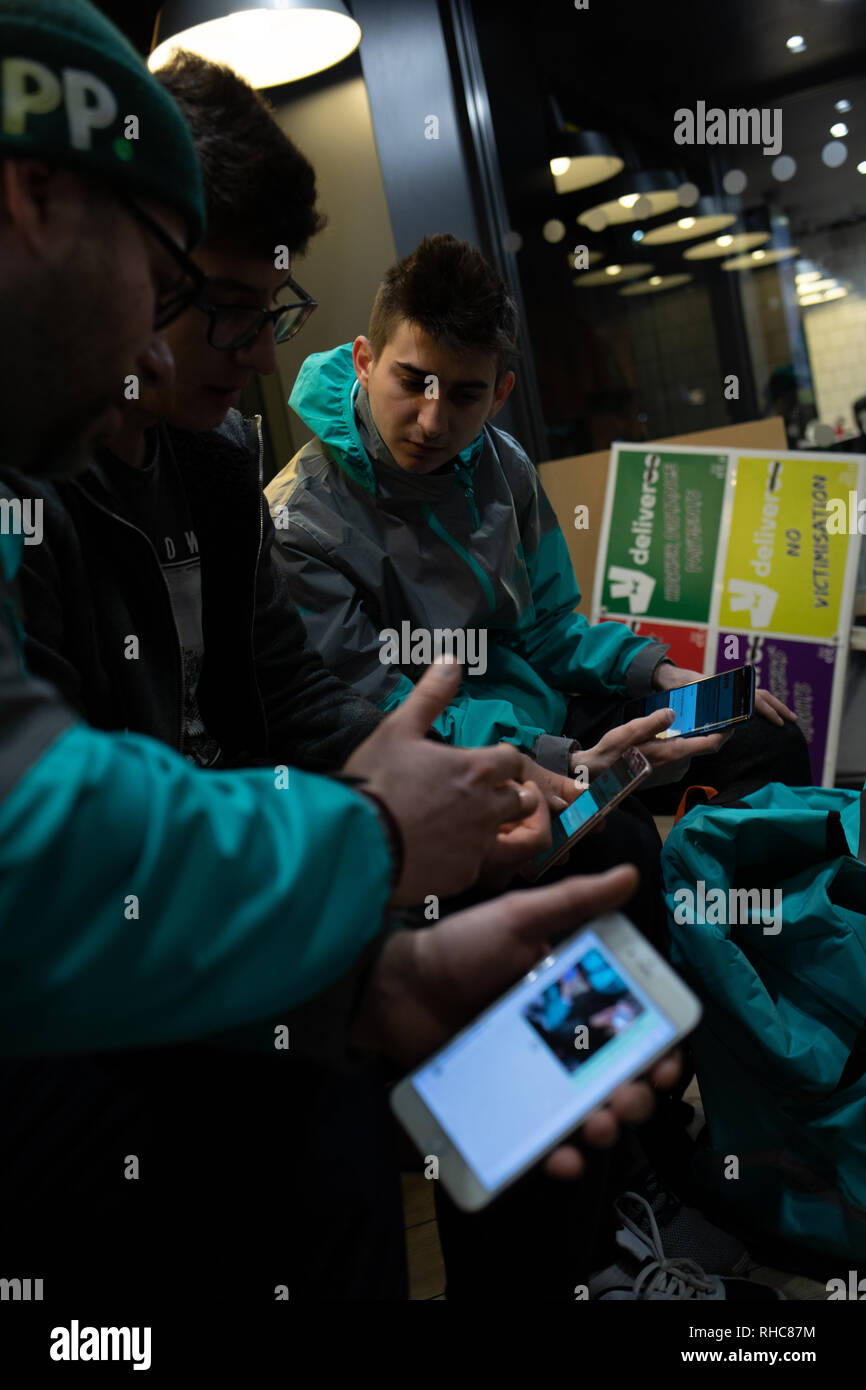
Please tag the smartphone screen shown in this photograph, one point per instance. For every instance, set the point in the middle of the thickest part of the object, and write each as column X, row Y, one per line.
column 601, row 791
column 532, row 1067
column 717, row 700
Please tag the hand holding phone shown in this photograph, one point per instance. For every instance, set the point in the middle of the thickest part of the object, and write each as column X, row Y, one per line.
column 702, row 706
column 516, row 1081
column 604, row 792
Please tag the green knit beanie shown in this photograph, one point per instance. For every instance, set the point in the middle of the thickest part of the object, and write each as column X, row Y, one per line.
column 74, row 92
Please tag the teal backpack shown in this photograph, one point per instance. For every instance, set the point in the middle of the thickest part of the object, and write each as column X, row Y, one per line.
column 767, row 913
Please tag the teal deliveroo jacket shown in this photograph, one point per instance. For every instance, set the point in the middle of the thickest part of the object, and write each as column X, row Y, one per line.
column 251, row 898
column 367, row 546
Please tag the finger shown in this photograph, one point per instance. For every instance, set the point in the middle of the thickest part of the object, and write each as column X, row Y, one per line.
column 565, row 1163
column 777, row 706
column 600, row 1129
column 667, row 1070
column 641, row 730
column 706, row 743
column 633, row 1102
column 433, row 694
column 512, row 802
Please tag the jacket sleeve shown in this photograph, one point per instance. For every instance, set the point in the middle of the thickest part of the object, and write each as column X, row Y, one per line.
column 144, row 902
column 314, row 719
column 50, row 615
column 568, row 651
column 341, row 627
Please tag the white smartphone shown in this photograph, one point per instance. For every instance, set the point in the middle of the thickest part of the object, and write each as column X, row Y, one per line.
column 521, row 1077
column 589, row 809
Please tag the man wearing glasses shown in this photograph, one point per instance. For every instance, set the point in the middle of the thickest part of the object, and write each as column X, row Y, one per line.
column 153, row 603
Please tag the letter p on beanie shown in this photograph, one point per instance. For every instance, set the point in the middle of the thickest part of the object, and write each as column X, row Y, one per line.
column 69, row 81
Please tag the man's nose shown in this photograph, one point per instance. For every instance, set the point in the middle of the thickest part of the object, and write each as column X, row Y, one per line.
column 432, row 417
column 261, row 354
column 156, row 363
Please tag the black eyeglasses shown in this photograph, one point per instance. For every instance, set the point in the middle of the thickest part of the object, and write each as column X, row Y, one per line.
column 235, row 326
column 175, row 294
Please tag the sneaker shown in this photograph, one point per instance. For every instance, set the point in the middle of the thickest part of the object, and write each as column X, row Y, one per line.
column 644, row 1271
column 686, row 1233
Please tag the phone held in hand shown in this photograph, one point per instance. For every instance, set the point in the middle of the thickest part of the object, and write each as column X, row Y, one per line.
column 586, row 812
column 518, row 1080
column 702, row 707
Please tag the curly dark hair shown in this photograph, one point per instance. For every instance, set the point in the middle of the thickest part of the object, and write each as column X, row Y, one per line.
column 259, row 189
column 452, row 293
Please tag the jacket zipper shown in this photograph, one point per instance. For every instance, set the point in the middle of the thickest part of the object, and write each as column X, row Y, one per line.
column 469, row 488
column 115, row 517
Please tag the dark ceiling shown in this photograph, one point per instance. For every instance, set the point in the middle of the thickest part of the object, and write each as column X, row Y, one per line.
column 619, row 64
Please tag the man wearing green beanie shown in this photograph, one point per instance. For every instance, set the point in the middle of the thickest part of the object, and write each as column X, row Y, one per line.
column 141, row 902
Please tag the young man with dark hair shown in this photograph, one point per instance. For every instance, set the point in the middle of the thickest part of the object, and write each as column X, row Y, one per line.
column 409, row 510
column 410, row 513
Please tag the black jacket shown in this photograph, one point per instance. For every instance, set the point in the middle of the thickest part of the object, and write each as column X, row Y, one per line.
column 95, row 579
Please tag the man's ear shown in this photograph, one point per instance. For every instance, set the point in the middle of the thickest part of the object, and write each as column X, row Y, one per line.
column 501, row 394
column 27, row 193
column 362, row 358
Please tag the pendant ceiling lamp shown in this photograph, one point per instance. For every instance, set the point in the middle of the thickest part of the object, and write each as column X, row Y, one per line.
column 578, row 158
column 265, row 41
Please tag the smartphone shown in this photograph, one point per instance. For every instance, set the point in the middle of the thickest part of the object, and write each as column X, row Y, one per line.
column 515, row 1083
column 591, row 806
column 703, row 706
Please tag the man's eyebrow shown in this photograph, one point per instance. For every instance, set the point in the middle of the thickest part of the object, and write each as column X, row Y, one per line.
column 418, row 371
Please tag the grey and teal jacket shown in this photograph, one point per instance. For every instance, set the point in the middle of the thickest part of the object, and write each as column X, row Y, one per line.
column 372, row 550
column 144, row 902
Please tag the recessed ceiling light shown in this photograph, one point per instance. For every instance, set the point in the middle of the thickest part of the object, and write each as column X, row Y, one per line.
column 839, row 129
column 796, row 43
column 655, row 279
column 724, row 240
column 613, row 270
column 758, row 255
column 628, row 200
column 637, row 236
column 861, row 167
column 843, row 104
column 686, row 222
column 560, row 166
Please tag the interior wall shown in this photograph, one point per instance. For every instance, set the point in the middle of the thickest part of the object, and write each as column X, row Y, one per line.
column 346, row 261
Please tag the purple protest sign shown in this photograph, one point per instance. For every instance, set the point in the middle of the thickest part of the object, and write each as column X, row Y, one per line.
column 798, row 673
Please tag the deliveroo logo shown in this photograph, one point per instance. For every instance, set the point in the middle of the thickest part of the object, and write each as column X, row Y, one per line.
column 756, row 599
column 633, row 585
